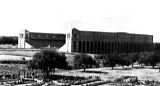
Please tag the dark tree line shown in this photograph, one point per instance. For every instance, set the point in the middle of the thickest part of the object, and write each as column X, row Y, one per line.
column 149, row 58
column 13, row 61
column 49, row 60
column 114, row 59
column 9, row 40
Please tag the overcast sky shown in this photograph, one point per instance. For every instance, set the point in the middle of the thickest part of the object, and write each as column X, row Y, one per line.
column 59, row 16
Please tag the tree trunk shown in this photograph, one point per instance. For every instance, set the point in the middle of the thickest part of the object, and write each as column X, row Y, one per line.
column 84, row 70
column 141, row 65
column 53, row 70
column 19, row 73
column 132, row 65
column 47, row 73
column 153, row 66
column 24, row 73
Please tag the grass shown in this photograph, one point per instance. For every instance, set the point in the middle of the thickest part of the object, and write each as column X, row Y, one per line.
column 18, row 52
column 27, row 53
column 145, row 73
column 8, row 46
column 105, row 74
column 97, row 72
column 13, row 58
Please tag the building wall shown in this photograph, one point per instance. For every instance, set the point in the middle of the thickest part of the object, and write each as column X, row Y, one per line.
column 105, row 42
column 88, row 41
column 39, row 40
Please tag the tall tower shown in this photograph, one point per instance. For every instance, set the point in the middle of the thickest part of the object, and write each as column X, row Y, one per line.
column 68, row 43
column 22, row 38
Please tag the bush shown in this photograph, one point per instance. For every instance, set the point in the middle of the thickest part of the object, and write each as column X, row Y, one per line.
column 84, row 61
column 47, row 61
column 101, row 60
column 113, row 59
column 13, row 62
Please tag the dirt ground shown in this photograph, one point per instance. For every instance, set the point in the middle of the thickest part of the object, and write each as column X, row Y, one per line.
column 146, row 73
column 106, row 73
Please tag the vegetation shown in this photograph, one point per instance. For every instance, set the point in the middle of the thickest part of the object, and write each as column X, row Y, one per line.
column 143, row 58
column 149, row 58
column 84, row 61
column 13, row 62
column 113, row 60
column 156, row 46
column 101, row 60
column 122, row 59
column 154, row 58
column 9, row 40
column 47, row 61
column 132, row 81
column 133, row 57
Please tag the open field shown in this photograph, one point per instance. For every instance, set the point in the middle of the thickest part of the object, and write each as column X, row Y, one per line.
column 7, row 46
column 19, row 52
column 11, row 57
column 146, row 73
column 143, row 73
column 105, row 74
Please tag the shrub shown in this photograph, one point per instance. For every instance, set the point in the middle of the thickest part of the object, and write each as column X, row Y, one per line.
column 84, row 61
column 47, row 61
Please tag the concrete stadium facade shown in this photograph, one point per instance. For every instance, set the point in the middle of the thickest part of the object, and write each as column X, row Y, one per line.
column 91, row 42
column 28, row 39
column 106, row 42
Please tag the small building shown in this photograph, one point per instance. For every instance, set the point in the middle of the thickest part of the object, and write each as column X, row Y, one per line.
column 28, row 39
column 106, row 42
